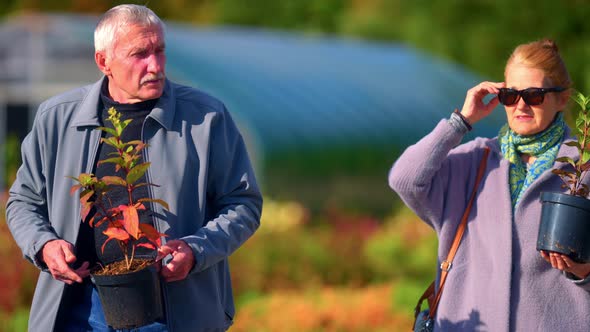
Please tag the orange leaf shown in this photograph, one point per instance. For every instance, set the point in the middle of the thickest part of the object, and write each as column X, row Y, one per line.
column 85, row 196
column 147, row 245
column 151, row 234
column 99, row 222
column 74, row 188
column 116, row 233
column 85, row 210
column 130, row 220
column 104, row 244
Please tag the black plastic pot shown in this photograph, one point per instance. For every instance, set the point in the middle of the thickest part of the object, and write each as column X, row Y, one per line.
column 565, row 225
column 130, row 300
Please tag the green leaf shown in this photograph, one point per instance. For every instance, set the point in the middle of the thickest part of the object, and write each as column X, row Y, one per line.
column 112, row 141
column 86, row 179
column 126, row 122
column 73, row 178
column 115, row 160
column 159, row 201
column 580, row 122
column 580, row 99
column 145, row 184
column 108, row 130
column 135, row 142
column 567, row 160
column 572, row 143
column 561, row 172
column 137, row 172
column 114, row 180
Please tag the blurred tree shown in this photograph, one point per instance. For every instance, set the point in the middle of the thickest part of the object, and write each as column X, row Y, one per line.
column 7, row 6
column 286, row 14
column 479, row 34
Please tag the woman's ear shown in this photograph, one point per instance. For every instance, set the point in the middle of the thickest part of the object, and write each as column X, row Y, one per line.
column 564, row 98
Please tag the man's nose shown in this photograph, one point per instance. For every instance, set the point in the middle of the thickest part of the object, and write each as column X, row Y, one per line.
column 155, row 63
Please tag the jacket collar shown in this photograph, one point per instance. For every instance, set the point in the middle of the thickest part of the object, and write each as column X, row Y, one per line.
column 88, row 114
column 165, row 109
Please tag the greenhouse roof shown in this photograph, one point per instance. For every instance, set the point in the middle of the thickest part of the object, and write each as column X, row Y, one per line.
column 284, row 89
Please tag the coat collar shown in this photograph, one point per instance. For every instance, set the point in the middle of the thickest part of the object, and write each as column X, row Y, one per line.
column 88, row 111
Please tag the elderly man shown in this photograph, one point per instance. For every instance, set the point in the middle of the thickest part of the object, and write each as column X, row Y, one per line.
column 197, row 156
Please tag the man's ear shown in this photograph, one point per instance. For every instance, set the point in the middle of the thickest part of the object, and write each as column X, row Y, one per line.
column 102, row 63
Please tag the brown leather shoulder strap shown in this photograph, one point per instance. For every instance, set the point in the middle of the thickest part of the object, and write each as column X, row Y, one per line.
column 447, row 264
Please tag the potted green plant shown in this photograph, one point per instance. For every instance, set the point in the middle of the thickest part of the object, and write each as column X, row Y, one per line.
column 565, row 218
column 129, row 289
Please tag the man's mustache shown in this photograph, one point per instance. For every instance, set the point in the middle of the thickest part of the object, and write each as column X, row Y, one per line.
column 153, row 77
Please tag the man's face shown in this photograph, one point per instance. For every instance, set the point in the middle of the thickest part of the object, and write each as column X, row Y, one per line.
column 135, row 65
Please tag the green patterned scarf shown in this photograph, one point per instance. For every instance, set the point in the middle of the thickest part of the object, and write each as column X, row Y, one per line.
column 543, row 146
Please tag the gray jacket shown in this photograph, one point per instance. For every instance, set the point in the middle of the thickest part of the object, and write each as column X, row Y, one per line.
column 200, row 162
column 498, row 281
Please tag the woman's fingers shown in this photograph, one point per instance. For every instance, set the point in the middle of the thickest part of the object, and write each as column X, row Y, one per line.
column 474, row 107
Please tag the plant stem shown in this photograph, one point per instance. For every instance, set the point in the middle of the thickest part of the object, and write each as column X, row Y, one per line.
column 132, row 255
column 124, row 250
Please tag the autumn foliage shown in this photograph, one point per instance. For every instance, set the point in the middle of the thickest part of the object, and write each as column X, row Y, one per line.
column 123, row 224
column 573, row 177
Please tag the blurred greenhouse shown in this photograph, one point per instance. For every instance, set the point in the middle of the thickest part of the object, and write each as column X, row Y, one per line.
column 323, row 118
column 292, row 95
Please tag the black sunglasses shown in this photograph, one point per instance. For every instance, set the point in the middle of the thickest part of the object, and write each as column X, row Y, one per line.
column 531, row 96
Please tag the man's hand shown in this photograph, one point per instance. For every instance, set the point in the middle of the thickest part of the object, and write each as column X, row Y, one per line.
column 564, row 263
column 57, row 255
column 182, row 261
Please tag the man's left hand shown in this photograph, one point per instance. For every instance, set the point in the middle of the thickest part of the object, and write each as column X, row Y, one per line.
column 182, row 261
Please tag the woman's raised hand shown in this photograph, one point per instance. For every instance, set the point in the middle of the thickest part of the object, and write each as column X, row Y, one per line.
column 474, row 107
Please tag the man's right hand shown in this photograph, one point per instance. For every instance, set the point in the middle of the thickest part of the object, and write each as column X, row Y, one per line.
column 57, row 255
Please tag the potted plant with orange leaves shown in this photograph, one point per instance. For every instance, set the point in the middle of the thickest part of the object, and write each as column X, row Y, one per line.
column 129, row 289
column 565, row 217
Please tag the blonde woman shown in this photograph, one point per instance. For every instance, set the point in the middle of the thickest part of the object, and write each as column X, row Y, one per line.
column 498, row 281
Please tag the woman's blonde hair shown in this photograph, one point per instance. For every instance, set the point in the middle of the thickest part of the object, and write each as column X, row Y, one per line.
column 544, row 55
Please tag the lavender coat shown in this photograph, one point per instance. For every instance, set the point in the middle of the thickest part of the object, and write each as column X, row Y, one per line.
column 498, row 281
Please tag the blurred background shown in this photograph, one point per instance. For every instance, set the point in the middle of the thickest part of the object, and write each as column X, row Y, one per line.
column 327, row 93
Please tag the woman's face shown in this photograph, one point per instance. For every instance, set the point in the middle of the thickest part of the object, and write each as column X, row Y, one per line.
column 524, row 119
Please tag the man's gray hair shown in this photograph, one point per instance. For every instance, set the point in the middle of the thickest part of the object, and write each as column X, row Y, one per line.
column 118, row 18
